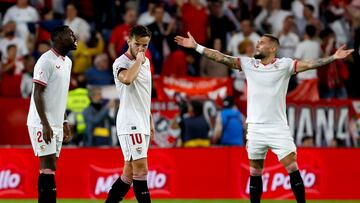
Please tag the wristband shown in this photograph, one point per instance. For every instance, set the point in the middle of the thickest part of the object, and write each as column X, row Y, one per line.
column 199, row 48
column 65, row 121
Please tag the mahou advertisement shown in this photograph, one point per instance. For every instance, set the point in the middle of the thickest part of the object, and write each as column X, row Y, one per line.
column 183, row 173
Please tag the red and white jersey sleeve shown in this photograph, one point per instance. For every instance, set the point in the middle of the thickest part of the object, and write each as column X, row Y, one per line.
column 42, row 71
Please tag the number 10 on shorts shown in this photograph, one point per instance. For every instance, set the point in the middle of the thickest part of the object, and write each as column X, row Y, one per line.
column 136, row 139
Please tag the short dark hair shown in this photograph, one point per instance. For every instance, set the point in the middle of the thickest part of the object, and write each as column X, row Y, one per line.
column 326, row 32
column 197, row 107
column 272, row 38
column 57, row 31
column 310, row 30
column 310, row 7
column 11, row 46
column 139, row 31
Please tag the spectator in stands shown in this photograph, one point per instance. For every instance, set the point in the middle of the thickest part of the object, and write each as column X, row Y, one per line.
column 83, row 55
column 196, row 128
column 179, row 63
column 11, row 39
column 119, row 34
column 247, row 32
column 288, row 39
column 308, row 19
column 229, row 125
column 195, row 20
column 162, row 39
column 220, row 25
column 12, row 65
column 100, row 74
column 297, row 8
column 308, row 141
column 308, row 49
column 333, row 76
column 245, row 48
column 97, row 119
column 11, row 70
column 337, row 142
column 148, row 17
column 237, row 11
column 78, row 100
column 80, row 27
column 47, row 23
column 21, row 13
column 272, row 17
column 27, row 77
column 42, row 47
column 210, row 68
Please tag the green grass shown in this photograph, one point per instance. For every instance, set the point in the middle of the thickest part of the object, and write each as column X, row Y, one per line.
column 183, row 201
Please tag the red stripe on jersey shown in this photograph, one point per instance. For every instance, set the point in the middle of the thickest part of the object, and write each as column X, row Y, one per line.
column 129, row 56
column 39, row 82
column 295, row 66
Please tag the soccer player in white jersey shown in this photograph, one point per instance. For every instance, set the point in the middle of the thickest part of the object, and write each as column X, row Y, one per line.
column 267, row 79
column 46, row 119
column 134, row 122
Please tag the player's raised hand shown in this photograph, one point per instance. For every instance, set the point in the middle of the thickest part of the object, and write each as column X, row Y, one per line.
column 342, row 53
column 47, row 133
column 188, row 42
column 67, row 133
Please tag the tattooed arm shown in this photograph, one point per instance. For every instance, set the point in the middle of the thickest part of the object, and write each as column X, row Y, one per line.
column 189, row 42
column 341, row 53
column 230, row 61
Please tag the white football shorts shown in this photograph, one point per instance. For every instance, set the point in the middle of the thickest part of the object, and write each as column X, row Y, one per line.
column 40, row 147
column 134, row 146
column 277, row 137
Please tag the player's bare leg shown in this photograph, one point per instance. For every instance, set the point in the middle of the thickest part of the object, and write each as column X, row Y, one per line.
column 256, row 185
column 46, row 181
column 122, row 185
column 140, row 171
column 297, row 185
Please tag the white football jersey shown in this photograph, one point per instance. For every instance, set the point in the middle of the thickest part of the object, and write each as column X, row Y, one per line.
column 267, row 87
column 135, row 99
column 53, row 71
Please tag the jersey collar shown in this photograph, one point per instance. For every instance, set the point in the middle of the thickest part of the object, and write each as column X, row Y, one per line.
column 272, row 61
column 129, row 56
column 57, row 54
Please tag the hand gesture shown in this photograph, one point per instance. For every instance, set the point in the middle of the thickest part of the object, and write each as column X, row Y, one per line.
column 186, row 42
column 47, row 133
column 341, row 53
column 140, row 56
column 67, row 132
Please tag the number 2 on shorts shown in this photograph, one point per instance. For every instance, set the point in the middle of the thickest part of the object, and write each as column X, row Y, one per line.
column 136, row 138
column 39, row 137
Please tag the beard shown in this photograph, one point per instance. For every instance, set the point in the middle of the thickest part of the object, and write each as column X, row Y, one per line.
column 133, row 53
column 259, row 55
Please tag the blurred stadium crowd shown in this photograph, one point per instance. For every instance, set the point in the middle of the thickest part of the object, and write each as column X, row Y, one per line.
column 307, row 29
